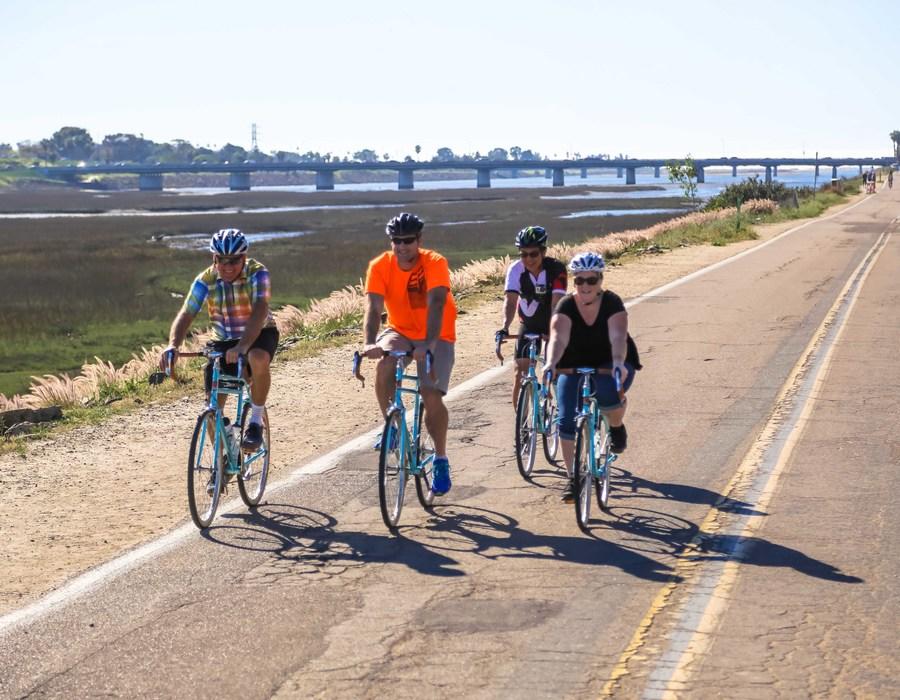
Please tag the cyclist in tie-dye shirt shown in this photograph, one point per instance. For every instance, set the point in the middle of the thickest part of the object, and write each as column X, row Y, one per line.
column 236, row 291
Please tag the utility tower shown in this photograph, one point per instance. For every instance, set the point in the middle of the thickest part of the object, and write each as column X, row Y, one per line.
column 254, row 146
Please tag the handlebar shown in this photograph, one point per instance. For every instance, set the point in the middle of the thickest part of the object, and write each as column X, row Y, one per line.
column 160, row 376
column 358, row 357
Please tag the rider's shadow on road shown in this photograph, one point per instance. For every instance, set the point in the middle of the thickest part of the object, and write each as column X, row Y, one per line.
column 756, row 551
column 626, row 485
column 306, row 541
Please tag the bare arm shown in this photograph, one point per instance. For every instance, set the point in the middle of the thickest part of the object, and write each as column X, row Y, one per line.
column 560, row 331
column 177, row 334
column 509, row 309
column 258, row 317
column 372, row 320
column 618, row 340
column 437, row 300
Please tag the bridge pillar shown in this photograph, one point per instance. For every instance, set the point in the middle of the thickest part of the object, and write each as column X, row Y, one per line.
column 548, row 173
column 559, row 177
column 405, row 180
column 768, row 173
column 618, row 172
column 860, row 168
column 733, row 171
column 774, row 171
column 656, row 171
column 701, row 176
column 834, row 172
column 324, row 179
column 150, row 182
column 630, row 176
column 239, row 182
column 484, row 177
column 584, row 173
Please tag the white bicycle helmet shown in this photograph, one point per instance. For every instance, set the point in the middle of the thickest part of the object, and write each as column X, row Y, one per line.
column 228, row 241
column 586, row 262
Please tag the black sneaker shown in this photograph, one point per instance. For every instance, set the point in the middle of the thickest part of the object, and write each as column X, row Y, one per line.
column 252, row 438
column 568, row 494
column 618, row 439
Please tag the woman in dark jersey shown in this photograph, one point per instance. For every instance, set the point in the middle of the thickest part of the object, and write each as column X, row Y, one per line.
column 589, row 328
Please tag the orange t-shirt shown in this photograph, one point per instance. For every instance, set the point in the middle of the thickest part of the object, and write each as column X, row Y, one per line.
column 406, row 293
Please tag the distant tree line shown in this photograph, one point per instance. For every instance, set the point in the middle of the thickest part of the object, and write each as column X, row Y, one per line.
column 75, row 144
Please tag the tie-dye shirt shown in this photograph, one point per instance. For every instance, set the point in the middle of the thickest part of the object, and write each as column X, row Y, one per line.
column 230, row 303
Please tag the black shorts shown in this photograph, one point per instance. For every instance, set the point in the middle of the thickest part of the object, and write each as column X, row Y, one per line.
column 522, row 343
column 266, row 340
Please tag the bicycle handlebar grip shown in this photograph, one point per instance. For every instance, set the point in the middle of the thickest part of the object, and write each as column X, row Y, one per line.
column 429, row 361
column 617, row 375
column 170, row 361
column 548, row 376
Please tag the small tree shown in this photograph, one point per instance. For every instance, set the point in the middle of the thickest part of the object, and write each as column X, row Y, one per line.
column 684, row 173
column 895, row 137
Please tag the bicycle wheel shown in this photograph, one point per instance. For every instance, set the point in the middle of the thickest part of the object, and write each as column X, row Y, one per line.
column 426, row 459
column 526, row 435
column 254, row 465
column 550, row 436
column 601, row 450
column 582, row 472
column 392, row 470
column 205, row 466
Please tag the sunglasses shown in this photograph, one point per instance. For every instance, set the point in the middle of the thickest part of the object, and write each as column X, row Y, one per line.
column 409, row 240
column 228, row 259
column 587, row 280
column 529, row 254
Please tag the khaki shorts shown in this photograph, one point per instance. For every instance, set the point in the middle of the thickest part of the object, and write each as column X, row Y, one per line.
column 391, row 341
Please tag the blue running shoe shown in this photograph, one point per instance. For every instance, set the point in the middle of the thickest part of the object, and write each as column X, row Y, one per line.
column 440, row 472
column 392, row 445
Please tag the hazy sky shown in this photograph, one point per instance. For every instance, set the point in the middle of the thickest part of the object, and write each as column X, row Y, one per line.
column 655, row 78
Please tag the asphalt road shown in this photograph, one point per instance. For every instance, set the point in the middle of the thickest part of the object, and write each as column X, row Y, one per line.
column 751, row 549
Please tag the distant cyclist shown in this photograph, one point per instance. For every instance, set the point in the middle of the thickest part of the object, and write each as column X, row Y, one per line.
column 236, row 290
column 413, row 284
column 590, row 329
column 534, row 285
column 891, row 179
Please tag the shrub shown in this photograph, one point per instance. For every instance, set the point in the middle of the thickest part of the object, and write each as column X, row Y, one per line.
column 751, row 188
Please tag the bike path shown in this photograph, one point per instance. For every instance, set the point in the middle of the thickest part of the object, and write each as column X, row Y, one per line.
column 496, row 594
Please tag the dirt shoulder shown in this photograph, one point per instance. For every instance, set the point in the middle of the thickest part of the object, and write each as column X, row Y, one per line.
column 76, row 500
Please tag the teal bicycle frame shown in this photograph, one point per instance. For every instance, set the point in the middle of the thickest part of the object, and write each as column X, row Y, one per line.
column 536, row 412
column 593, row 457
column 405, row 450
column 214, row 458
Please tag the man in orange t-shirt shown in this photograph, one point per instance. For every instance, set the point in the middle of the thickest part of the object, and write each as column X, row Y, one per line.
column 413, row 285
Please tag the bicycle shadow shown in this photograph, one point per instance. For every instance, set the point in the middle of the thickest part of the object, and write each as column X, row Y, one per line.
column 304, row 536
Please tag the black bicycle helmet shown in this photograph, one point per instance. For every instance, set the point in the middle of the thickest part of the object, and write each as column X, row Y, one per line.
column 404, row 224
column 531, row 236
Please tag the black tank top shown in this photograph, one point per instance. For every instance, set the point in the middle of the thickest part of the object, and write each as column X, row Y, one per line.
column 589, row 345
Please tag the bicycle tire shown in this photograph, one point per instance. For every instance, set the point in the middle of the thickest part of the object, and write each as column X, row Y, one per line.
column 425, row 455
column 582, row 473
column 392, row 471
column 205, row 470
column 526, row 430
column 601, row 442
column 253, row 475
column 550, row 436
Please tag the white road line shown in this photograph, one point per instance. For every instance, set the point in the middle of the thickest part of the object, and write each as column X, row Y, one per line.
column 92, row 578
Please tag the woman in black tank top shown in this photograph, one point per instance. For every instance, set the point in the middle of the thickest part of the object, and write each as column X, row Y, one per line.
column 589, row 328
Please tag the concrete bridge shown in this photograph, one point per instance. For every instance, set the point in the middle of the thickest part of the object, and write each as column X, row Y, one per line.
column 150, row 177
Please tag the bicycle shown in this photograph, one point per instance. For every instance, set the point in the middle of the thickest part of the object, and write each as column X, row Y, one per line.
column 536, row 410
column 215, row 454
column 593, row 457
column 405, row 449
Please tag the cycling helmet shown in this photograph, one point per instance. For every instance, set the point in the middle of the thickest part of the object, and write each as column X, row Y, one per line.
column 531, row 236
column 228, row 241
column 586, row 262
column 404, row 223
